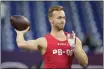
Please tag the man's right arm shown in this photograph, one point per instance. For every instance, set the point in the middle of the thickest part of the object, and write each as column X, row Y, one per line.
column 29, row 44
column 26, row 45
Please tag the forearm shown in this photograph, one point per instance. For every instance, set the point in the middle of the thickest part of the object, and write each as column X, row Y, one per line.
column 81, row 56
column 26, row 45
column 20, row 38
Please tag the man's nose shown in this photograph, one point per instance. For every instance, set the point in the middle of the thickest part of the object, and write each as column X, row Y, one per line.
column 62, row 20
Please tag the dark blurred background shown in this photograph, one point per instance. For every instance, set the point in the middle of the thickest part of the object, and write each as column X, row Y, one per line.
column 84, row 17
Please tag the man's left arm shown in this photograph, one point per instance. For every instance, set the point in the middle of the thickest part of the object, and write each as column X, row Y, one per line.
column 79, row 53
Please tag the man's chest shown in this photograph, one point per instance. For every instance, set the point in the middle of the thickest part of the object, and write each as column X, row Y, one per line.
column 60, row 48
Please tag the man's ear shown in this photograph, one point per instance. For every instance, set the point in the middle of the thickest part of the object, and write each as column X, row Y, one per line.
column 50, row 19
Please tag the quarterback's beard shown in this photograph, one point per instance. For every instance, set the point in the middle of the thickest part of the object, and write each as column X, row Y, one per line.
column 59, row 27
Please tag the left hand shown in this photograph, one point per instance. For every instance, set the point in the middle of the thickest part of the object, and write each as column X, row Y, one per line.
column 71, row 39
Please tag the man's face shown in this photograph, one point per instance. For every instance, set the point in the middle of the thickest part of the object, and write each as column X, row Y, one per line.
column 58, row 19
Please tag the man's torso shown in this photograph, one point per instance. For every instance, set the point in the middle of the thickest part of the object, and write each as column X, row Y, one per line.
column 57, row 54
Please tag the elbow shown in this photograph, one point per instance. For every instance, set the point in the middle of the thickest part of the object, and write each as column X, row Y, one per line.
column 20, row 45
column 84, row 64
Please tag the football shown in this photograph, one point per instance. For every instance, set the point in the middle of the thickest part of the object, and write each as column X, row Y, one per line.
column 19, row 22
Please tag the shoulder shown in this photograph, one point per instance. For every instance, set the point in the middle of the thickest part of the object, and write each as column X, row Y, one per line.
column 38, row 41
column 41, row 39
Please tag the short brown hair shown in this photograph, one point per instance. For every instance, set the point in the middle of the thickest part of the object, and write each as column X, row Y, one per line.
column 54, row 8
